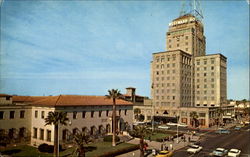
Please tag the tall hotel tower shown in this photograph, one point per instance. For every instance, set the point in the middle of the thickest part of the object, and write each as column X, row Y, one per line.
column 184, row 76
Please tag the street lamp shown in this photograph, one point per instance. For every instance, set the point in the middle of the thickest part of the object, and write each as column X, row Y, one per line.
column 178, row 115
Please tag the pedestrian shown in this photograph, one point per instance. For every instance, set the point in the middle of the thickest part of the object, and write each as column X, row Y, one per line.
column 166, row 148
column 189, row 139
column 161, row 147
column 153, row 152
column 171, row 147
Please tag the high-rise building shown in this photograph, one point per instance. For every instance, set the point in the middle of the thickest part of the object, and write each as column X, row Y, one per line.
column 184, row 76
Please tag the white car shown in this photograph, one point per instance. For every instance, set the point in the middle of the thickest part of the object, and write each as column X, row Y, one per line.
column 163, row 127
column 172, row 124
column 182, row 125
column 194, row 149
column 219, row 152
column 234, row 153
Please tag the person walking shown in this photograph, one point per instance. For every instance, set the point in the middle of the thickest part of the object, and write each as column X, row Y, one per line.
column 171, row 146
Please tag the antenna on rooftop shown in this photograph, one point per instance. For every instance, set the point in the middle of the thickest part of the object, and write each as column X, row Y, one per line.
column 191, row 7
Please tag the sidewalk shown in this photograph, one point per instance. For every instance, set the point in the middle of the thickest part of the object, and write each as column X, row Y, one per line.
column 175, row 145
column 157, row 145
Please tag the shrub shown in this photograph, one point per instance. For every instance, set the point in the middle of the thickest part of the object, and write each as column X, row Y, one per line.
column 47, row 148
column 108, row 138
column 119, row 151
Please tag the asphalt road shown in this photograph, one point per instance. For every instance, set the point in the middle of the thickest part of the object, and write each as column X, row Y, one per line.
column 210, row 141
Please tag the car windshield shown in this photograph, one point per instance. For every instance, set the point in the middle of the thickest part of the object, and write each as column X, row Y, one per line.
column 163, row 153
column 234, row 151
column 219, row 150
column 194, row 146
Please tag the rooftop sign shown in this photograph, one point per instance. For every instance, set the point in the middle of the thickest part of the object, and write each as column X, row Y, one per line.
column 174, row 23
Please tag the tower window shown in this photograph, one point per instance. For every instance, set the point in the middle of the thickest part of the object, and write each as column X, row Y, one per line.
column 177, row 45
column 186, row 37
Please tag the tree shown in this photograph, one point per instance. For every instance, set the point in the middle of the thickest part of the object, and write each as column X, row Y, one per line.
column 114, row 94
column 141, row 132
column 219, row 112
column 80, row 139
column 194, row 117
column 56, row 118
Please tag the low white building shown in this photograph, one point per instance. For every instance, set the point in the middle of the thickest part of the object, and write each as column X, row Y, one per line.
column 90, row 113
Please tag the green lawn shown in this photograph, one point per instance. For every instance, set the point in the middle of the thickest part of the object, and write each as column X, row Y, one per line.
column 159, row 136
column 92, row 150
column 24, row 151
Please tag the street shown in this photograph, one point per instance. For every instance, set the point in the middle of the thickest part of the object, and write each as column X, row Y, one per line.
column 238, row 139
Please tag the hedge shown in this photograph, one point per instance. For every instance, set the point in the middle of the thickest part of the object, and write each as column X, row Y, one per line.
column 119, row 151
column 47, row 148
column 109, row 138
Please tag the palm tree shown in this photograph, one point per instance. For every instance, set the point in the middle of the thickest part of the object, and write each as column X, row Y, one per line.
column 141, row 132
column 80, row 139
column 219, row 111
column 56, row 118
column 194, row 117
column 114, row 94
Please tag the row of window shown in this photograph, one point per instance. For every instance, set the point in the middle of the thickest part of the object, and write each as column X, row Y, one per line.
column 204, row 105
column 205, row 92
column 13, row 132
column 75, row 113
column 205, row 86
column 205, row 68
column 205, row 98
column 168, row 58
column 12, row 114
column 167, row 66
column 205, row 74
column 212, row 60
column 205, row 80
column 177, row 38
column 168, row 97
column 41, row 134
column 167, row 91
column 177, row 45
column 165, row 103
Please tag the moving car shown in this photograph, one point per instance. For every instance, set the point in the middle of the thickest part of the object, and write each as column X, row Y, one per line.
column 222, row 131
column 165, row 153
column 234, row 153
column 172, row 124
column 237, row 127
column 163, row 127
column 182, row 125
column 219, row 152
column 194, row 149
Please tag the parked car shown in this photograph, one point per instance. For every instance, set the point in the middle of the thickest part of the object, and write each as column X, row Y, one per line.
column 246, row 122
column 163, row 127
column 194, row 149
column 222, row 131
column 219, row 152
column 234, row 153
column 172, row 124
column 182, row 125
column 237, row 127
column 165, row 154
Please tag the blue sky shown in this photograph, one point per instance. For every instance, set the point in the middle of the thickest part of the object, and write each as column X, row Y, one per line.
column 88, row 47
